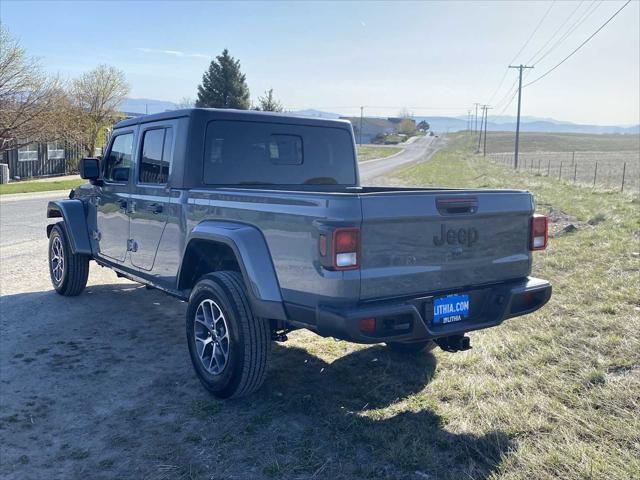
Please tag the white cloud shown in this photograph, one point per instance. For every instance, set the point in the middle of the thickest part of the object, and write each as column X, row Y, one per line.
column 175, row 53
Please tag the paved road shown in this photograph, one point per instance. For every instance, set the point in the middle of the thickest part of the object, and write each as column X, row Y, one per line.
column 417, row 151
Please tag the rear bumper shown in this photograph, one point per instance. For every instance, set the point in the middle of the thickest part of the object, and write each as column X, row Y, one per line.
column 411, row 320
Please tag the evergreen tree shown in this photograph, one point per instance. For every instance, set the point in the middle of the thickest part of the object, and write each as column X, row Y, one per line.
column 268, row 103
column 223, row 85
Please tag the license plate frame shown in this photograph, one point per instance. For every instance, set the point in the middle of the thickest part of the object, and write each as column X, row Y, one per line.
column 451, row 309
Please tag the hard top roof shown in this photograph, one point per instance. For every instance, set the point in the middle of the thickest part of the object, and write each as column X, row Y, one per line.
column 231, row 114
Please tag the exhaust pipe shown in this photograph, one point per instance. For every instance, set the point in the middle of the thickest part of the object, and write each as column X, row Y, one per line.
column 454, row 343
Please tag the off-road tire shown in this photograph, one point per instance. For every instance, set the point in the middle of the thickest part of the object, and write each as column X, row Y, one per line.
column 75, row 271
column 249, row 336
column 412, row 348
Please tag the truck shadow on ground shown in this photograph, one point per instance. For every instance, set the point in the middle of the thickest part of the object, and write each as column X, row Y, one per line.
column 366, row 406
column 104, row 382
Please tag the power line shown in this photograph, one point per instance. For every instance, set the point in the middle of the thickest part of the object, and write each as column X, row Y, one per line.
column 579, row 46
column 522, row 49
column 592, row 8
column 551, row 38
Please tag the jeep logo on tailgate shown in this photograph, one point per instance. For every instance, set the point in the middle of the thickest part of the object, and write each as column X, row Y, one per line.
column 453, row 236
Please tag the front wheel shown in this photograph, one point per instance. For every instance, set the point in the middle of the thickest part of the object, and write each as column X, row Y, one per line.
column 228, row 346
column 69, row 271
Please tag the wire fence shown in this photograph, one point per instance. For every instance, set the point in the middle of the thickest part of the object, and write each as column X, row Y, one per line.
column 618, row 170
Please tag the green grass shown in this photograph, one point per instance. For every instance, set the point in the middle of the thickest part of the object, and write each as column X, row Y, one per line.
column 30, row 186
column 562, row 385
column 562, row 142
column 554, row 394
column 368, row 152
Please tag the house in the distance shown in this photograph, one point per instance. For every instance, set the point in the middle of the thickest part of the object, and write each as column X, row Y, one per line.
column 373, row 127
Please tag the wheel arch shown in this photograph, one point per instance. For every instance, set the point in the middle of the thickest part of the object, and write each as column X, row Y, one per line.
column 75, row 223
column 218, row 245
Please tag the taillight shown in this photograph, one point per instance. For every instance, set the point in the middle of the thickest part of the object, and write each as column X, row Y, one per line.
column 539, row 232
column 346, row 248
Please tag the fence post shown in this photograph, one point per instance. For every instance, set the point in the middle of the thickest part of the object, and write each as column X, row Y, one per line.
column 624, row 170
column 539, row 160
column 560, row 172
column 575, row 172
column 573, row 158
column 549, row 167
column 595, row 174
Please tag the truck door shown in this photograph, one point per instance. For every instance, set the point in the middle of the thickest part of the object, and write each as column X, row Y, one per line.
column 114, row 202
column 150, row 196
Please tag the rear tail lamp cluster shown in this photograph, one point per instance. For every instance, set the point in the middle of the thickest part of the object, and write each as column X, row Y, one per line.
column 539, row 232
column 345, row 248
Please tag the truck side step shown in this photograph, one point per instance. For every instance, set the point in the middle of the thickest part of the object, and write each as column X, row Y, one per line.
column 454, row 343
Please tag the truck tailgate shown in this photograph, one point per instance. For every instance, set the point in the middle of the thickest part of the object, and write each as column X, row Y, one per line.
column 437, row 240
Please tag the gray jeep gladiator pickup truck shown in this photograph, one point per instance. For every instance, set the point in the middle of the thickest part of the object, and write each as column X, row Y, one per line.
column 259, row 221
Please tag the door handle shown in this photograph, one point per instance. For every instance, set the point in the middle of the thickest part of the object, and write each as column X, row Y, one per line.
column 155, row 208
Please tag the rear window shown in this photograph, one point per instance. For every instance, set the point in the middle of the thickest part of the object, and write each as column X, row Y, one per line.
column 238, row 152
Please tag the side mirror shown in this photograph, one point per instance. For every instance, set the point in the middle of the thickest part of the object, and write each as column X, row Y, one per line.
column 89, row 168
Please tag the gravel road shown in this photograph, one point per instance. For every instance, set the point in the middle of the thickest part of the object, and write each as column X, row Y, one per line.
column 101, row 386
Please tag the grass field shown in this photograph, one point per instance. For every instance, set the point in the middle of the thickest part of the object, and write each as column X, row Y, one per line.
column 369, row 152
column 39, row 186
column 555, row 394
column 498, row 142
column 600, row 160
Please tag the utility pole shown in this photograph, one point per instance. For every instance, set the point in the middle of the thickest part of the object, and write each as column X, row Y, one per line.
column 486, row 120
column 361, row 117
column 484, row 109
column 476, row 127
column 520, row 68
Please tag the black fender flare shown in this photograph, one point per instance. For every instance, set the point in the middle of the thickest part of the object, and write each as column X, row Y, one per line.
column 75, row 223
column 254, row 258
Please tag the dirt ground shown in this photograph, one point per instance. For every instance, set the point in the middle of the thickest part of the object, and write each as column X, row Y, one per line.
column 101, row 386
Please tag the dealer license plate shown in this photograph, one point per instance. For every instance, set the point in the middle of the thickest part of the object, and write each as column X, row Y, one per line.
column 453, row 308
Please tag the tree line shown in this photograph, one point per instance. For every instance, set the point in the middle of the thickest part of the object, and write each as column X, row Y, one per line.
column 36, row 107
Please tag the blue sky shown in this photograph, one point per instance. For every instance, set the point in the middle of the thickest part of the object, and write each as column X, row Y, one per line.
column 432, row 57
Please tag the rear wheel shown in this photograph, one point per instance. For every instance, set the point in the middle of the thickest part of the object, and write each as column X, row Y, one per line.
column 411, row 348
column 69, row 271
column 229, row 347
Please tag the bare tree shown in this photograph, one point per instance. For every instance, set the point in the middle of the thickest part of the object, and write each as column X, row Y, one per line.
column 268, row 103
column 31, row 104
column 404, row 113
column 97, row 95
column 186, row 102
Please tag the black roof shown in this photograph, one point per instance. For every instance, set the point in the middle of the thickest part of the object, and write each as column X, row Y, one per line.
column 231, row 114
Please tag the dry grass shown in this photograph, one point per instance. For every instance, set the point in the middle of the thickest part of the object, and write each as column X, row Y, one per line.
column 499, row 142
column 562, row 385
column 602, row 169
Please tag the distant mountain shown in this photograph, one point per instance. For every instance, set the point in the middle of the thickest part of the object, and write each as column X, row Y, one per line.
column 527, row 124
column 438, row 124
column 310, row 112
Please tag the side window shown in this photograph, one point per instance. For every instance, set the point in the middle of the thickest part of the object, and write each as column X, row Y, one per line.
column 118, row 164
column 156, row 156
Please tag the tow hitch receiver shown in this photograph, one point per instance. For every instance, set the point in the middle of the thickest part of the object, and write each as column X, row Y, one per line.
column 454, row 343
